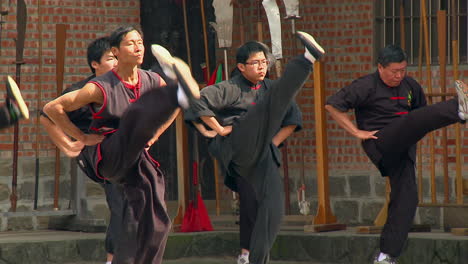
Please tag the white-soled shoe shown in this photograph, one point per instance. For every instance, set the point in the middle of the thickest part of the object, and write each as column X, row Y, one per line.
column 462, row 92
column 314, row 49
column 17, row 106
column 243, row 258
column 165, row 59
column 383, row 258
column 177, row 70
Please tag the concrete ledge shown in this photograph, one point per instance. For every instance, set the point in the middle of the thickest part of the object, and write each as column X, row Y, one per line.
column 330, row 247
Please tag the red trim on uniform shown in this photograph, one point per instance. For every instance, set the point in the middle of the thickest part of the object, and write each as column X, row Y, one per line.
column 99, row 158
column 152, row 159
column 256, row 87
column 398, row 98
column 134, row 88
column 401, row 113
column 104, row 104
column 99, row 131
column 253, row 103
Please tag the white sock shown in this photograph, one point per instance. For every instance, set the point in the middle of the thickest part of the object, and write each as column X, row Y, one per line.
column 169, row 72
column 182, row 97
column 382, row 256
column 309, row 56
column 109, row 262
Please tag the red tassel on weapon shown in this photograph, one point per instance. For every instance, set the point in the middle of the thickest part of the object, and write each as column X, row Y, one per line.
column 196, row 217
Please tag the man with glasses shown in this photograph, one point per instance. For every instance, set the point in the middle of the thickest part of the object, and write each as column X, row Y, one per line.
column 248, row 117
column 392, row 116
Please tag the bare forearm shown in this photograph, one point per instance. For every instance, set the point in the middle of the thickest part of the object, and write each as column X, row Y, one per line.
column 343, row 120
column 59, row 117
column 283, row 134
column 60, row 139
column 212, row 123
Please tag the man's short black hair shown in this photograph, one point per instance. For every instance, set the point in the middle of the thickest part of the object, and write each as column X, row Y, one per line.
column 249, row 48
column 118, row 34
column 391, row 54
column 96, row 50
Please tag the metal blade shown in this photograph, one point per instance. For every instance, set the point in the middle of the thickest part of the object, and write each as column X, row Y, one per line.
column 224, row 18
column 21, row 20
column 292, row 8
column 274, row 21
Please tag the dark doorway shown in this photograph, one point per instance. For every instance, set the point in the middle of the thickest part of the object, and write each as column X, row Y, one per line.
column 162, row 23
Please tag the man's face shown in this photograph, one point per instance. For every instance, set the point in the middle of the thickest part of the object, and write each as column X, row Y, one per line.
column 107, row 63
column 255, row 68
column 393, row 74
column 131, row 49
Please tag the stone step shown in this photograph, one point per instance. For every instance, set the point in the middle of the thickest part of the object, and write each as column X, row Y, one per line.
column 54, row 247
column 208, row 261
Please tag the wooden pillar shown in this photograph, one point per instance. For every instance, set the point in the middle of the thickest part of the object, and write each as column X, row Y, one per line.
column 324, row 220
column 182, row 171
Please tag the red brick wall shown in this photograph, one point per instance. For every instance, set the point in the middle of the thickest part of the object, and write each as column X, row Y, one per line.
column 85, row 20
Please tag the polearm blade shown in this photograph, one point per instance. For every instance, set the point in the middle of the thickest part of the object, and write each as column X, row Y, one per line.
column 292, row 8
column 21, row 19
column 224, row 13
column 292, row 12
column 274, row 22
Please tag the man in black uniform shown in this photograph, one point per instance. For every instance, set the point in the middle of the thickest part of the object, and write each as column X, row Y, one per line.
column 391, row 116
column 100, row 61
column 14, row 107
column 131, row 109
column 250, row 116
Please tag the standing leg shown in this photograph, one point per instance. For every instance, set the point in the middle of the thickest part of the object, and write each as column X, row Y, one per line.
column 270, row 211
column 115, row 202
column 248, row 206
column 401, row 209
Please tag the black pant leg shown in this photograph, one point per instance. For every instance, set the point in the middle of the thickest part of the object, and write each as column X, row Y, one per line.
column 248, row 207
column 402, row 207
column 4, row 117
column 139, row 123
column 253, row 132
column 401, row 134
column 115, row 202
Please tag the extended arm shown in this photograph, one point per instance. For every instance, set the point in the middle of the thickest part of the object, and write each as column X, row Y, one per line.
column 344, row 121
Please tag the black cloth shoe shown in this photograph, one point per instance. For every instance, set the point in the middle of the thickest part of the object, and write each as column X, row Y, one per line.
column 311, row 45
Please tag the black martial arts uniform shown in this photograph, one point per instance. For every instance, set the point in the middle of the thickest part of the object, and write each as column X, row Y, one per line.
column 402, row 118
column 129, row 117
column 247, row 155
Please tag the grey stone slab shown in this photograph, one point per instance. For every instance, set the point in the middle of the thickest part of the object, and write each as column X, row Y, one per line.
column 346, row 211
column 369, row 211
column 337, row 186
column 359, row 185
column 4, row 193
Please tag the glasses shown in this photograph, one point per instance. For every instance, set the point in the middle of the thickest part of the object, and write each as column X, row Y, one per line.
column 256, row 63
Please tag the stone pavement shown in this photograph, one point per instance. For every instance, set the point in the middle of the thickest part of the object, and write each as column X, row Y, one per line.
column 221, row 247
